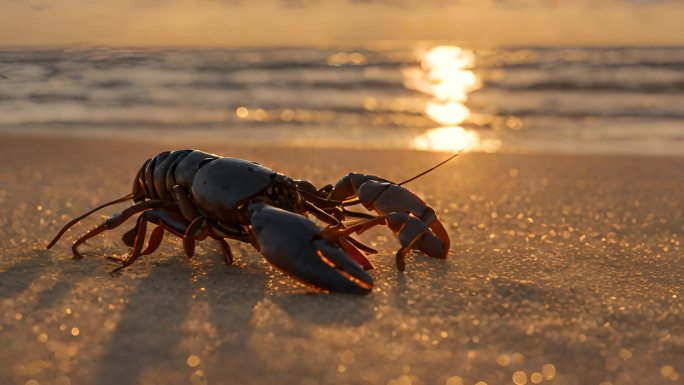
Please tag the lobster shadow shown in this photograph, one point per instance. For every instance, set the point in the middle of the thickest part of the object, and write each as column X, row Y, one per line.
column 426, row 286
column 17, row 278
column 253, row 323
column 326, row 309
column 235, row 293
column 68, row 273
column 149, row 330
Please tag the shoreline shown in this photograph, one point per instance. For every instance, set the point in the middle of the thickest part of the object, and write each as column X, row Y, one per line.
column 364, row 140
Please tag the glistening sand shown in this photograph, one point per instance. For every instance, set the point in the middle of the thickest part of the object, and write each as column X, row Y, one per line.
column 563, row 270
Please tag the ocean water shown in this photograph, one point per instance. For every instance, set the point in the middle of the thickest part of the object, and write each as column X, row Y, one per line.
column 623, row 100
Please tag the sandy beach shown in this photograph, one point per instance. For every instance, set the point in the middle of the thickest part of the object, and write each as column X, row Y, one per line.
column 563, row 270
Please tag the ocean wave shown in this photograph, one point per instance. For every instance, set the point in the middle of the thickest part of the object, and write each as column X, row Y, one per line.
column 553, row 90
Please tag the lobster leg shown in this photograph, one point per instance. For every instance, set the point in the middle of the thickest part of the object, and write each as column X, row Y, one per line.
column 413, row 233
column 170, row 221
column 128, row 237
column 361, row 246
column 225, row 249
column 153, row 244
column 408, row 228
column 321, row 214
column 109, row 224
column 155, row 241
column 217, row 233
column 166, row 220
column 180, row 195
column 137, row 246
column 351, row 245
column 197, row 230
column 201, row 228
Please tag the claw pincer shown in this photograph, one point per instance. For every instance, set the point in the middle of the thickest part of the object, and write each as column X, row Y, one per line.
column 294, row 244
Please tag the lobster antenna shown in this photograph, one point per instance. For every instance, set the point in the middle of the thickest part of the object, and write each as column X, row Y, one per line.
column 354, row 201
column 430, row 169
column 77, row 219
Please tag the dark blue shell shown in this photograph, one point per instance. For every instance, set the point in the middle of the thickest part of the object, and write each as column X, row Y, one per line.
column 221, row 184
column 186, row 170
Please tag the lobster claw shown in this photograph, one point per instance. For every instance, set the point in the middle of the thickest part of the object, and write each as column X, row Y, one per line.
column 386, row 198
column 295, row 245
column 415, row 223
column 409, row 217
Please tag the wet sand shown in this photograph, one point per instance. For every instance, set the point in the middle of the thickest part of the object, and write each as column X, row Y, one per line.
column 563, row 270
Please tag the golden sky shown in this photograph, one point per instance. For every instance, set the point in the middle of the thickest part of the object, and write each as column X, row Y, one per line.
column 339, row 22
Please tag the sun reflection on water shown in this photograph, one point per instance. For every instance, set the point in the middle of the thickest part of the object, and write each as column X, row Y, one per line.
column 449, row 113
column 447, row 68
column 445, row 75
column 446, row 139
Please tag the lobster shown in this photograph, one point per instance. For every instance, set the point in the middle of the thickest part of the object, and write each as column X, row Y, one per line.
column 195, row 195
